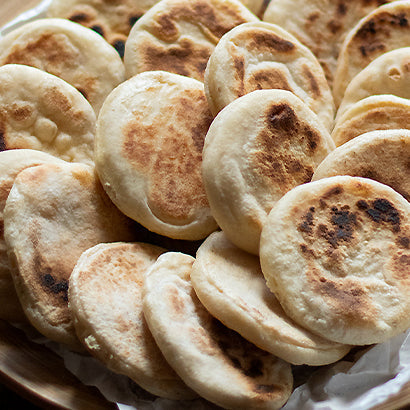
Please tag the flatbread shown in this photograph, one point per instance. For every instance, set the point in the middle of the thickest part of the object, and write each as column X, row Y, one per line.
column 54, row 212
column 383, row 30
column 377, row 112
column 111, row 19
column 320, row 25
column 379, row 155
column 259, row 147
column 387, row 74
column 336, row 254
column 148, row 153
column 42, row 112
column 68, row 50
column 230, row 284
column 105, row 295
column 12, row 162
column 179, row 36
column 213, row 360
column 256, row 56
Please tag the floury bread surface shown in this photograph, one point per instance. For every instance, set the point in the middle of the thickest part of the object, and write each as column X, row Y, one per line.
column 105, row 295
column 256, row 56
column 259, row 147
column 68, row 50
column 387, row 74
column 385, row 29
column 377, row 112
column 150, row 135
column 213, row 360
column 179, row 35
column 43, row 112
column 230, row 284
column 55, row 212
column 12, row 162
column 320, row 25
column 336, row 254
column 379, row 155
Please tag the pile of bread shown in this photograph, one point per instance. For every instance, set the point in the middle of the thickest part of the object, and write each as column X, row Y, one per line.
column 210, row 198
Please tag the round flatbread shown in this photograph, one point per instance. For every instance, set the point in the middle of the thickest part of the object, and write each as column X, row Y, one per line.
column 105, row 296
column 379, row 155
column 256, row 56
column 230, row 284
column 213, row 360
column 54, row 212
column 387, row 74
column 12, row 162
column 377, row 112
column 150, row 134
column 336, row 254
column 321, row 25
column 259, row 147
column 383, row 30
column 111, row 19
column 68, row 50
column 42, row 112
column 179, row 36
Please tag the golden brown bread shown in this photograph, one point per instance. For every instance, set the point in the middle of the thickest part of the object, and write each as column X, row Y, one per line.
column 320, row 25
column 377, row 112
column 212, row 359
column 255, row 56
column 69, row 51
column 336, row 253
column 230, row 284
column 178, row 35
column 43, row 112
column 111, row 19
column 383, row 30
column 12, row 162
column 105, row 299
column 387, row 74
column 53, row 213
column 382, row 155
column 259, row 147
column 150, row 135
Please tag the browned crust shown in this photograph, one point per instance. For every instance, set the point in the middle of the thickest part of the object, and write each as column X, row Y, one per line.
column 170, row 152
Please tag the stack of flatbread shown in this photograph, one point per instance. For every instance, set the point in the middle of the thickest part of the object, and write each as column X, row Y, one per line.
column 204, row 201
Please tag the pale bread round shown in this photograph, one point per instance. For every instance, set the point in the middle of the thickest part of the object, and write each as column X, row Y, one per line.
column 321, row 25
column 230, row 284
column 54, row 212
column 383, row 30
column 259, row 147
column 387, row 74
column 12, row 162
column 336, row 254
column 68, row 50
column 105, row 299
column 42, row 112
column 256, row 56
column 179, row 36
column 148, row 153
column 380, row 155
column 377, row 112
column 213, row 360
column 111, row 19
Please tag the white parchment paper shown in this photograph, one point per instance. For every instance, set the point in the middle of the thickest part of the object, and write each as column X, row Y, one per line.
column 380, row 372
